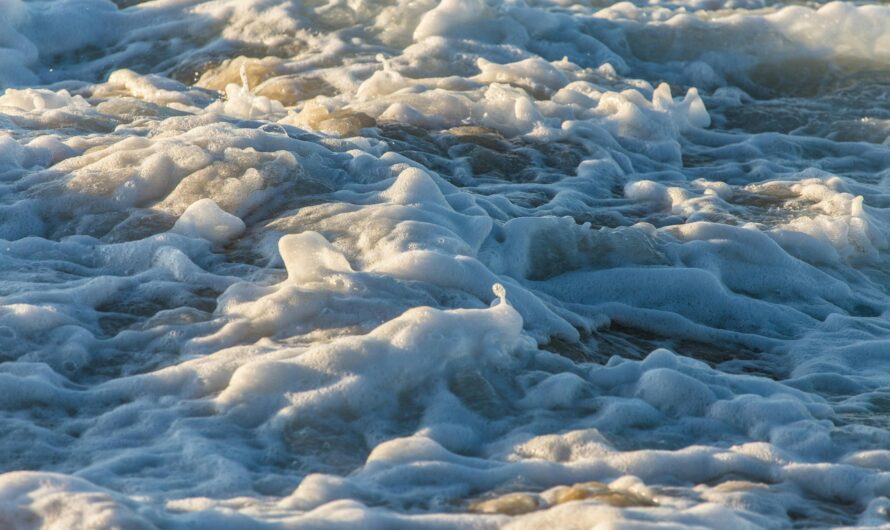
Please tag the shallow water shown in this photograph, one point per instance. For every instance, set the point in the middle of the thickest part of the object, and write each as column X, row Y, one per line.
column 458, row 264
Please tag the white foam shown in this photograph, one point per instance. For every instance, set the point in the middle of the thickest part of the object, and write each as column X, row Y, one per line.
column 443, row 264
column 205, row 219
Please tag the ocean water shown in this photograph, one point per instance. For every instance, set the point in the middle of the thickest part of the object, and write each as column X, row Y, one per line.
column 435, row 264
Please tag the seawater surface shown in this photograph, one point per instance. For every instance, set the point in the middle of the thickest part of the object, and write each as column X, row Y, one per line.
column 525, row 264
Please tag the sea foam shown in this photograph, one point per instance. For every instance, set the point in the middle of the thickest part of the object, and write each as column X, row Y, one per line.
column 443, row 264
